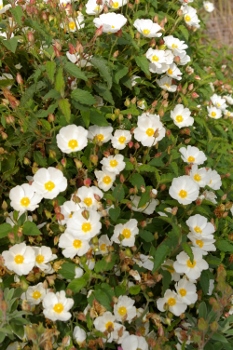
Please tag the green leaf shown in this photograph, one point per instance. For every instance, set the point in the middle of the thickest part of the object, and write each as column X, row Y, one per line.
column 17, row 329
column 134, row 290
column 105, row 264
column 104, row 70
column 205, row 281
column 30, row 229
column 143, row 63
column 104, row 92
column 64, row 106
column 39, row 159
column 11, row 44
column 103, row 298
column 83, row 97
column 145, row 197
column 224, row 246
column 118, row 192
column 68, row 270
column 137, row 180
column 187, row 249
column 219, row 337
column 59, row 81
column 159, row 254
column 74, row 71
column 114, row 213
column 184, row 31
column 50, row 67
column 78, row 283
column 202, row 310
column 5, row 229
column 120, row 73
column 97, row 118
column 147, row 236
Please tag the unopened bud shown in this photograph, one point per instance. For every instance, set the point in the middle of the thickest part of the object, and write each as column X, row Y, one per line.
column 19, row 78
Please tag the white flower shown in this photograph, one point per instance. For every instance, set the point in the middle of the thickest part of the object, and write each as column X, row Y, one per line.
column 104, row 243
column 176, row 45
column 149, row 129
column 174, row 72
column 120, row 139
column 116, row 4
column 67, row 210
column 187, row 291
column 200, row 176
column 218, row 101
column 43, row 255
column 147, row 208
column 80, row 60
column 105, row 179
column 181, row 116
column 193, row 155
column 100, row 134
column 106, row 324
column 229, row 99
column 184, row 190
column 160, row 60
column 72, row 245
column 92, row 8
column 215, row 181
column 166, row 84
column 77, row 23
column 208, row 6
column 214, row 112
column 79, row 335
column 134, row 342
column 168, row 266
column 125, row 233
column 145, row 261
column 205, row 244
column 147, row 28
column 84, row 225
column 113, row 164
column 209, row 196
column 110, row 22
column 200, row 227
column 172, row 302
column 5, row 8
column 24, row 198
column 192, row 270
column 72, row 138
column 49, row 182
column 190, row 16
column 34, row 294
column 57, row 306
column 89, row 197
column 78, row 272
column 19, row 259
column 135, row 79
column 124, row 309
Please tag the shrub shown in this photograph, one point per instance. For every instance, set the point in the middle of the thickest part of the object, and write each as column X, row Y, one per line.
column 116, row 160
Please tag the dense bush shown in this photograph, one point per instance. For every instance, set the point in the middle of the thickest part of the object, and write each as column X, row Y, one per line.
column 116, row 177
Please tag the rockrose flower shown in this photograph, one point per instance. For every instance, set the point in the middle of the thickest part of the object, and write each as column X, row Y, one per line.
column 171, row 302
column 193, row 155
column 19, row 259
column 57, row 306
column 184, row 190
column 149, row 129
column 24, row 198
column 34, row 294
column 181, row 116
column 125, row 233
column 110, row 22
column 72, row 138
column 147, row 28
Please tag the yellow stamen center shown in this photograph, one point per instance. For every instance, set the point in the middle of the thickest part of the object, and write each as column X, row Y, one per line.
column 150, row 132
column 36, row 295
column 197, row 229
column 97, row 8
column 58, row 308
column 70, row 216
column 25, row 201
column 174, row 46
column 191, row 159
column 187, row 18
column 72, row 25
column 191, row 264
column 179, row 118
column 155, row 58
column 100, row 137
column 86, row 227
column 77, row 243
column 122, row 139
column 103, row 247
column 146, row 31
column 87, row 201
column 183, row 194
column 126, row 233
column 115, row 5
column 112, row 27
column 171, row 301
column 170, row 71
column 199, row 242
column 109, row 326
column 197, row 177
column 122, row 311
column 113, row 163
column 183, row 292
column 213, row 114
column 107, row 180
column 40, row 259
column 73, row 144
column 49, row 186
column 19, row 259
